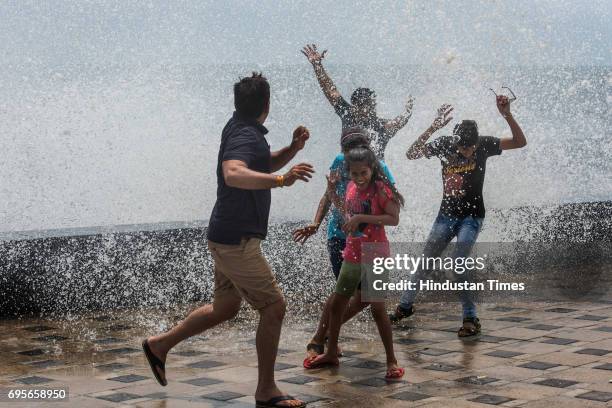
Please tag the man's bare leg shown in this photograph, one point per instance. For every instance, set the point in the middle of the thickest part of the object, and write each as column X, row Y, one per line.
column 199, row 320
column 268, row 334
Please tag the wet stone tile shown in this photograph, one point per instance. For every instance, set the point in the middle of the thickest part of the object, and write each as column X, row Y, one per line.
column 452, row 329
column 122, row 350
column 515, row 319
column 283, row 366
column 560, row 310
column 492, row 339
column 408, row 341
column 157, row 395
column 591, row 317
column 368, row 364
column 300, row 379
column 596, row 396
column 202, row 381
column 222, row 395
column 503, row 309
column 607, row 329
column 118, row 397
column 308, row 398
column 477, row 380
column 108, row 340
column 409, row 396
column 33, row 380
column 539, row 365
column 404, row 328
column 491, row 399
column 593, row 352
column 545, row 327
column 434, row 352
column 376, row 382
column 558, row 340
column 350, row 353
column 556, row 382
column 112, row 366
column 607, row 366
column 189, row 353
column 128, row 378
column 38, row 328
column 45, row 363
column 442, row 367
column 503, row 354
column 205, row 364
column 34, row 352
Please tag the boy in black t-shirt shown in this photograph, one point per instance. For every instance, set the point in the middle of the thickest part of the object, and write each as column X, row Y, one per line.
column 463, row 157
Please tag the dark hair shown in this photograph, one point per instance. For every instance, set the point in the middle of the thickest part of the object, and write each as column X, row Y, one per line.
column 352, row 138
column 251, row 95
column 362, row 96
column 467, row 131
column 365, row 154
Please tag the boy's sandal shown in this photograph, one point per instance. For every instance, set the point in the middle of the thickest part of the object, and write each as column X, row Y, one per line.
column 395, row 373
column 274, row 402
column 471, row 327
column 400, row 314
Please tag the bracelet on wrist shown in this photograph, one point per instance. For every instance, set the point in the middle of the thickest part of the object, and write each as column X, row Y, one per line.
column 280, row 181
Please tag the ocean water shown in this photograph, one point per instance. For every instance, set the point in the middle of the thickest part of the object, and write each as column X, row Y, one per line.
column 110, row 145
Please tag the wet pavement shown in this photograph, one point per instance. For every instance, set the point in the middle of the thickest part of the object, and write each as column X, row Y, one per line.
column 529, row 355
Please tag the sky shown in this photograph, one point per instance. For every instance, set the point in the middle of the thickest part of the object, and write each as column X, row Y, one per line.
column 521, row 32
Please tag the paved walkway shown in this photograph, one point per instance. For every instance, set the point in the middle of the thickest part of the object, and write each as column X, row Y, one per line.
column 529, row 355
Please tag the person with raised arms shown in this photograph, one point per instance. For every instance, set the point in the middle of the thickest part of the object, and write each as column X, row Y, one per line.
column 361, row 112
column 463, row 157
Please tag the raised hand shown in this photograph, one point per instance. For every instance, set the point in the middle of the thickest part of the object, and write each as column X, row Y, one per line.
column 332, row 180
column 302, row 171
column 300, row 136
column 300, row 235
column 503, row 105
column 314, row 57
column 442, row 119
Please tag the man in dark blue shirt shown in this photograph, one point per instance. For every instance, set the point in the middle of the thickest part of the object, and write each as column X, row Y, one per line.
column 238, row 223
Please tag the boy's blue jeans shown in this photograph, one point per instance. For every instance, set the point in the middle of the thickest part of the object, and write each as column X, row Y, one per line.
column 445, row 228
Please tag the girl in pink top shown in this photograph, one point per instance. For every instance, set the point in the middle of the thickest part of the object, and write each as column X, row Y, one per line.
column 371, row 202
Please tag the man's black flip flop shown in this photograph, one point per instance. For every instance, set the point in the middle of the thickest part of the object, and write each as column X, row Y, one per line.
column 154, row 362
column 273, row 402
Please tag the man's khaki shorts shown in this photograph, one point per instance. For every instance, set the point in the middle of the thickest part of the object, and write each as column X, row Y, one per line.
column 243, row 272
